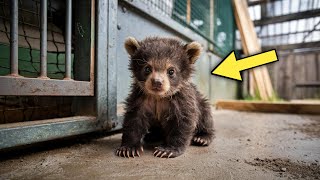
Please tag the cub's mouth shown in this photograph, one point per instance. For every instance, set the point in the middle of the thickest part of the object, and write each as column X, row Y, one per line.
column 156, row 91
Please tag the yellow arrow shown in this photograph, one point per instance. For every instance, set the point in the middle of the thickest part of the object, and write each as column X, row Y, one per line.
column 230, row 67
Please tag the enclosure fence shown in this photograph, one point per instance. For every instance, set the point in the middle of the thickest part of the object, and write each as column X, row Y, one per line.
column 15, row 84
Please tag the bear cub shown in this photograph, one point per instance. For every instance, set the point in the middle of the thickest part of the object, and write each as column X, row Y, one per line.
column 163, row 103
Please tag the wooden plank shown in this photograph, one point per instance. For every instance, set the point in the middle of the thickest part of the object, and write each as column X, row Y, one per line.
column 280, row 85
column 272, row 68
column 251, row 46
column 270, row 107
column 308, row 101
column 308, row 84
column 307, row 75
column 248, row 48
column 299, row 75
column 288, row 79
column 318, row 66
column 252, row 85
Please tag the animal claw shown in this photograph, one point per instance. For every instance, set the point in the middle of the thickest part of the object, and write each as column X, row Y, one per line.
column 205, row 143
column 155, row 152
column 164, row 153
column 128, row 153
column 132, row 152
column 170, row 155
column 160, row 152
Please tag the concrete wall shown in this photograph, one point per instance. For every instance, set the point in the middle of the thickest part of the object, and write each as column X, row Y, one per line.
column 132, row 22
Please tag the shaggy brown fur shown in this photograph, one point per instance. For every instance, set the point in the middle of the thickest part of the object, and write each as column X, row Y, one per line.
column 163, row 102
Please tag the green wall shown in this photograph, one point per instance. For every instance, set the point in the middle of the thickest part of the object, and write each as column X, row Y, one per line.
column 29, row 62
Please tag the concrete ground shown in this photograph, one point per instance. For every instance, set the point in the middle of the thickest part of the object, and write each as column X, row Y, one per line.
column 247, row 146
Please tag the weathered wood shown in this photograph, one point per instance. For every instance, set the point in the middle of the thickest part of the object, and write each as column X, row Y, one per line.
column 296, row 75
column 310, row 74
column 281, row 76
column 317, row 60
column 308, row 84
column 271, row 107
column 299, row 74
column 251, row 46
column 289, row 72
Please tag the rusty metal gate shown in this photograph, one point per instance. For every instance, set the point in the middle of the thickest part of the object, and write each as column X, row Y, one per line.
column 87, row 53
column 92, row 28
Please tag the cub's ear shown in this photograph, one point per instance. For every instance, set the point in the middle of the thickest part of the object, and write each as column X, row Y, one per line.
column 131, row 45
column 193, row 50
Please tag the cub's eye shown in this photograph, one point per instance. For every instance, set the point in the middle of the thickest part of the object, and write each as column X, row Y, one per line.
column 171, row 72
column 147, row 70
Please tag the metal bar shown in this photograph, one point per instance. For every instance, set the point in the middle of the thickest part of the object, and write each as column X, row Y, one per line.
column 292, row 46
column 212, row 20
column 312, row 30
column 14, row 38
column 92, row 42
column 101, row 84
column 284, row 54
column 253, row 3
column 84, row 15
column 112, row 64
column 290, row 33
column 106, row 81
column 68, row 38
column 47, row 87
column 43, row 38
column 16, row 134
column 211, row 26
column 188, row 11
column 288, row 17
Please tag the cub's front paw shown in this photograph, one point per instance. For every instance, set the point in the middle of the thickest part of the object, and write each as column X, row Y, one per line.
column 166, row 152
column 129, row 151
column 204, row 140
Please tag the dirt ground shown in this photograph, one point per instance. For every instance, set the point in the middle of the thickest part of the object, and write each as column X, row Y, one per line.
column 247, row 146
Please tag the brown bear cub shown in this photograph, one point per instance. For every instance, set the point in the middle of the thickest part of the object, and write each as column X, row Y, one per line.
column 163, row 102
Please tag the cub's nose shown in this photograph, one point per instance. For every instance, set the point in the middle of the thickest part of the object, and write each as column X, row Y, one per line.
column 156, row 83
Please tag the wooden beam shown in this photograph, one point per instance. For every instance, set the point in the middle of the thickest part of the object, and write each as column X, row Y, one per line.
column 287, row 17
column 271, row 107
column 259, row 77
column 293, row 46
column 308, row 84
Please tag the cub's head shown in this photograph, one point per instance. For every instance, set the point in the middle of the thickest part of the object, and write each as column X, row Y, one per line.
column 161, row 66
